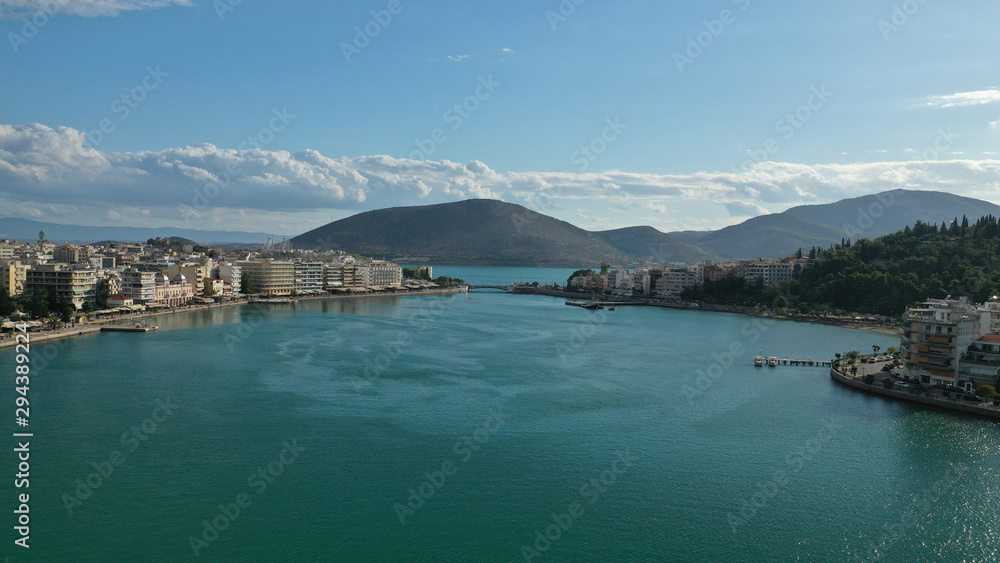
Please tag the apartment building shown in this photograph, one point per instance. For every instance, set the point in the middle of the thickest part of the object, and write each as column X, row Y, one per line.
column 269, row 276
column 75, row 285
column 308, row 277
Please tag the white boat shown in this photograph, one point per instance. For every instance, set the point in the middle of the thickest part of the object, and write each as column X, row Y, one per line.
column 758, row 361
column 772, row 361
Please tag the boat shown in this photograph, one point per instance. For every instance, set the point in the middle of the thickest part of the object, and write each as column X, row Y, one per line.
column 592, row 304
column 758, row 361
column 772, row 361
column 611, row 308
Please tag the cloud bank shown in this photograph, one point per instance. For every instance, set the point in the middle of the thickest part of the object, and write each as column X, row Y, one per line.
column 51, row 173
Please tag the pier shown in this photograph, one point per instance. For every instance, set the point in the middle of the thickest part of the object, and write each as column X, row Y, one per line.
column 128, row 328
column 794, row 362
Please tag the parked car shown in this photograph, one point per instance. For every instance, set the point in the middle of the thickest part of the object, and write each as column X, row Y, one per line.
column 901, row 385
column 973, row 398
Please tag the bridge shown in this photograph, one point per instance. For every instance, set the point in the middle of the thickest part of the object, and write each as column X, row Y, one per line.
column 500, row 287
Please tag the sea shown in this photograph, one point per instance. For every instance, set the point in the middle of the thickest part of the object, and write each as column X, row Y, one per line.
column 483, row 426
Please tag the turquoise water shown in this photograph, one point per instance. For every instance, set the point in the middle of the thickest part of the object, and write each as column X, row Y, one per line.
column 502, row 410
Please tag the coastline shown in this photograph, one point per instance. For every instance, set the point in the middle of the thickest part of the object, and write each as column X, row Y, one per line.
column 735, row 309
column 976, row 409
column 91, row 327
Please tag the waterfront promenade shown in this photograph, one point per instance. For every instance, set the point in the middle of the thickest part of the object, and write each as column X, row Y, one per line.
column 92, row 326
column 928, row 397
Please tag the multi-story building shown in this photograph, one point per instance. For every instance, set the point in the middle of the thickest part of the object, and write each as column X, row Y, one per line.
column 428, row 269
column 767, row 270
column 13, row 274
column 174, row 291
column 74, row 285
column 935, row 337
column 384, row 274
column 230, row 274
column 69, row 254
column 308, row 277
column 270, row 276
column 139, row 285
column 195, row 274
column 981, row 363
column 590, row 283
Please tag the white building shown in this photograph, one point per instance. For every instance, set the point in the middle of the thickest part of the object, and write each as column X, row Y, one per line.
column 308, row 277
column 383, row 274
column 139, row 285
column 767, row 270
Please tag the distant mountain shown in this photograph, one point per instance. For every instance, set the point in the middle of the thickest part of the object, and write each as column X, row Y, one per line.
column 781, row 234
column 26, row 229
column 490, row 232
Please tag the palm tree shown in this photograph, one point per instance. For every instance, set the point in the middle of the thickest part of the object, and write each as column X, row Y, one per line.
column 854, row 370
column 875, row 350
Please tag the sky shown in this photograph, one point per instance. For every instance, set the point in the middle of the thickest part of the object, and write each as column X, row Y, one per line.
column 258, row 115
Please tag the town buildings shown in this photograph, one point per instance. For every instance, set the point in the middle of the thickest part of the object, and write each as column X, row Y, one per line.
column 952, row 341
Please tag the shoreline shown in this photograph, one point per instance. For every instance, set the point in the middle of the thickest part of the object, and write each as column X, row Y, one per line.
column 91, row 327
column 712, row 308
column 985, row 410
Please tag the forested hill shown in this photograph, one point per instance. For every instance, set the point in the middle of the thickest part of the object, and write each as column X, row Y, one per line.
column 886, row 274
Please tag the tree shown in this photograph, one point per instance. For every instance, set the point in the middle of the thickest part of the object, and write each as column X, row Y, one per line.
column 875, row 349
column 7, row 305
column 987, row 391
column 604, row 268
column 870, row 378
column 209, row 290
column 246, row 284
column 584, row 272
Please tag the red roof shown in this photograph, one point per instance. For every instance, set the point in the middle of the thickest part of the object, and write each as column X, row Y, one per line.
column 990, row 338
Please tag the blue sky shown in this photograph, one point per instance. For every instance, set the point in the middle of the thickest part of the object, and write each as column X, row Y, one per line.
column 602, row 114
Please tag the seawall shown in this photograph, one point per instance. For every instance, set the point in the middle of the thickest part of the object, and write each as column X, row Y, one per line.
column 976, row 409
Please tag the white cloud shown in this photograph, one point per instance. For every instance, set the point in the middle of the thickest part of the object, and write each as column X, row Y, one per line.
column 964, row 99
column 506, row 50
column 86, row 8
column 47, row 172
column 457, row 58
column 995, row 124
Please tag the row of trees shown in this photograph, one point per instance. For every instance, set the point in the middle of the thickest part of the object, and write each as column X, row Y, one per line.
column 39, row 305
column 883, row 275
column 418, row 274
